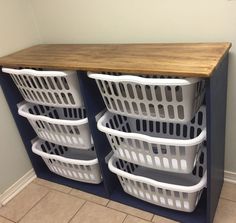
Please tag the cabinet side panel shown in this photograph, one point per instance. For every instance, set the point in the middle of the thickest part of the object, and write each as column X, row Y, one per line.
column 216, row 93
column 13, row 97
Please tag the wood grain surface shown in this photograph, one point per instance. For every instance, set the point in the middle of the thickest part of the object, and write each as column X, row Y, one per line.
column 176, row 59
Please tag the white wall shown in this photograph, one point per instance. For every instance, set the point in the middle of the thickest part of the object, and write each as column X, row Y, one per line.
column 18, row 31
column 129, row 21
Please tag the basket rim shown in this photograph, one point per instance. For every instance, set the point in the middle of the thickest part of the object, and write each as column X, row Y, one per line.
column 150, row 139
column 38, row 142
column 143, row 80
column 167, row 186
column 41, row 73
column 24, row 106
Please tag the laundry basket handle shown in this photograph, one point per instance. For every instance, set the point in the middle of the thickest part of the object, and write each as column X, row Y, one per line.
column 141, row 80
column 60, row 158
column 32, row 72
column 22, row 110
column 154, row 183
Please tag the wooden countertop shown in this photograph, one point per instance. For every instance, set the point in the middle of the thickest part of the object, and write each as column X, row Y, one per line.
column 179, row 59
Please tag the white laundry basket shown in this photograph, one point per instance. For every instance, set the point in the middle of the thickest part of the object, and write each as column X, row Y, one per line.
column 165, row 99
column 64, row 126
column 53, row 88
column 171, row 190
column 80, row 165
column 165, row 146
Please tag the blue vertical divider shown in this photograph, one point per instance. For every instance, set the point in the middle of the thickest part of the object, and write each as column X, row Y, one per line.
column 94, row 105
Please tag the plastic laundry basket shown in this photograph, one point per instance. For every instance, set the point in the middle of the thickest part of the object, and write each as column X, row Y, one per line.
column 53, row 88
column 165, row 99
column 80, row 165
column 64, row 126
column 175, row 191
column 165, row 146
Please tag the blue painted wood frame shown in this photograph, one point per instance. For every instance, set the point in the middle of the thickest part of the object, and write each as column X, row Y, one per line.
column 216, row 92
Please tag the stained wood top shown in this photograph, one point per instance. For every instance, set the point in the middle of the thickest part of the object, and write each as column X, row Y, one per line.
column 179, row 59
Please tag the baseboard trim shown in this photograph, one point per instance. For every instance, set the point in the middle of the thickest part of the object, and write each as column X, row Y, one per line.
column 230, row 177
column 17, row 187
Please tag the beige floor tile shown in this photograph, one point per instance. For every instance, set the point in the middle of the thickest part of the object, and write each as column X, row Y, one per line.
column 94, row 213
column 56, row 207
column 89, row 197
column 4, row 220
column 229, row 191
column 159, row 219
column 226, row 212
column 52, row 185
column 130, row 210
column 132, row 219
column 23, row 202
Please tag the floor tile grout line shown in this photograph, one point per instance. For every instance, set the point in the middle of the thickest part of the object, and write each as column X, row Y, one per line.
column 90, row 194
column 101, row 206
column 33, row 206
column 227, row 199
column 108, row 203
column 51, row 190
column 73, row 194
column 54, row 188
column 124, row 218
column 77, row 211
column 69, row 193
column 152, row 218
column 87, row 199
column 90, row 200
column 7, row 219
column 132, row 214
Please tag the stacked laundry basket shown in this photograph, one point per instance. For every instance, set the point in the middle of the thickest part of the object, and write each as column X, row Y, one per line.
column 56, row 112
column 156, row 126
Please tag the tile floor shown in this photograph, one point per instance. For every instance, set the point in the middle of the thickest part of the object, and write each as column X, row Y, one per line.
column 43, row 202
